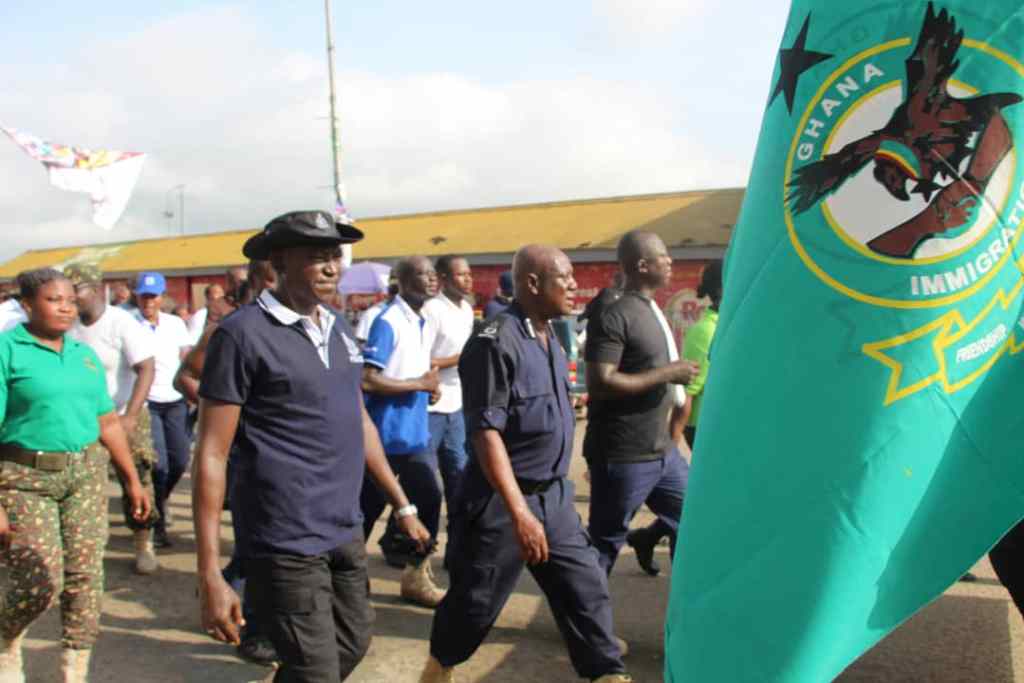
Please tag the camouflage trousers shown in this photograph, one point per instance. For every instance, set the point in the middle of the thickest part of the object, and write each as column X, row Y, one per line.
column 140, row 441
column 60, row 531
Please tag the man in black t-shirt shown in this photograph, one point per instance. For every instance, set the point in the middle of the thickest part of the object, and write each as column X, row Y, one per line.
column 633, row 377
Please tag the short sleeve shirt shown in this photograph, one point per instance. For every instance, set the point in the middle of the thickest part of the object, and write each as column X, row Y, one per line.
column 626, row 333
column 399, row 346
column 167, row 339
column 121, row 343
column 452, row 324
column 512, row 384
column 298, row 460
column 50, row 401
column 366, row 320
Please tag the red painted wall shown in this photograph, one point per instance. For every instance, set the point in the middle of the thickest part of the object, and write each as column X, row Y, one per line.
column 678, row 299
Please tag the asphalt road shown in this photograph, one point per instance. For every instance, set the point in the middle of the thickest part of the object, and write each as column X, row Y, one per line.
column 151, row 634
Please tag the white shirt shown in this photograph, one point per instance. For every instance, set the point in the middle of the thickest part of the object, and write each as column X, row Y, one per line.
column 452, row 326
column 319, row 335
column 121, row 343
column 367, row 318
column 409, row 337
column 167, row 339
column 678, row 393
column 11, row 315
column 196, row 325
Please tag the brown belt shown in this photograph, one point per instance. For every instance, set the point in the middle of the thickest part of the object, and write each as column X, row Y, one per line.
column 40, row 460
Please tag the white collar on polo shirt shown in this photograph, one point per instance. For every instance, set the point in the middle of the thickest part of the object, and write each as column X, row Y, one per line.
column 406, row 309
column 318, row 335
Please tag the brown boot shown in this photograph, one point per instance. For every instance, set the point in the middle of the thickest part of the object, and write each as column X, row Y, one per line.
column 75, row 665
column 418, row 585
column 433, row 672
column 614, row 678
column 11, row 670
column 145, row 556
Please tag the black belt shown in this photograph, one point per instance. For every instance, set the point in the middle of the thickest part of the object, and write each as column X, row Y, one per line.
column 40, row 460
column 532, row 486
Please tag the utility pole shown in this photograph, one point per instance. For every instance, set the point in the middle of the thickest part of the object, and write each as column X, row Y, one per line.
column 169, row 214
column 339, row 188
column 181, row 208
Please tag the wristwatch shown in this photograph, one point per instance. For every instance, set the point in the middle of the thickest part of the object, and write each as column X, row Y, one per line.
column 406, row 511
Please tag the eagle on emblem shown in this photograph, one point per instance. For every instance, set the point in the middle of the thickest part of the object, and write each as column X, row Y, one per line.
column 929, row 135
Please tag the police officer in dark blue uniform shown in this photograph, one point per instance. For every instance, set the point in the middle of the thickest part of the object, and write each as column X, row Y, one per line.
column 516, row 502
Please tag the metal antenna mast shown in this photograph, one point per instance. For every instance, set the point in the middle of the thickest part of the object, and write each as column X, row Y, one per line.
column 339, row 187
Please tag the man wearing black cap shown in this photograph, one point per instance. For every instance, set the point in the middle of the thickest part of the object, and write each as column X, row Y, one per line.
column 285, row 373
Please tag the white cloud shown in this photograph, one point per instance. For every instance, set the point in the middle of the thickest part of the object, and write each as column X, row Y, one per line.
column 245, row 129
column 643, row 18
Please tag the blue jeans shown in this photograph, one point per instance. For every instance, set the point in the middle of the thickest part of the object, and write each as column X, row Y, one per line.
column 448, row 443
column 170, row 439
column 618, row 489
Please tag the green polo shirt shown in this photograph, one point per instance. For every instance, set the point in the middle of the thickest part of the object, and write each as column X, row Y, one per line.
column 696, row 346
column 50, row 401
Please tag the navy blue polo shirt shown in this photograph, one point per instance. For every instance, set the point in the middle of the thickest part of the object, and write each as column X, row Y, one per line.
column 512, row 384
column 298, row 462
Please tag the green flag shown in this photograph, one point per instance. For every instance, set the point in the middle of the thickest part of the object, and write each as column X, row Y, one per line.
column 859, row 444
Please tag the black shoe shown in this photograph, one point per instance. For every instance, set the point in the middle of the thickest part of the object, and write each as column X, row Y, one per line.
column 258, row 651
column 968, row 578
column 644, row 547
column 160, row 537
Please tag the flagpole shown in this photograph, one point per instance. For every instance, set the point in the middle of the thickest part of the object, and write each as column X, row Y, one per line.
column 339, row 190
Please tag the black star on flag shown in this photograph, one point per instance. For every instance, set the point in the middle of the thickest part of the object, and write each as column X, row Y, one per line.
column 794, row 61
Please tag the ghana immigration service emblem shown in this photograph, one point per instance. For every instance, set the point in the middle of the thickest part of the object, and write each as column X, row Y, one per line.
column 903, row 187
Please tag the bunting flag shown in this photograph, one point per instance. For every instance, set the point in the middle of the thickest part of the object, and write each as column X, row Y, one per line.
column 108, row 177
column 859, row 445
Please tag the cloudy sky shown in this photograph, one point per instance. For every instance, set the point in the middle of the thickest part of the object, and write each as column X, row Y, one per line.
column 452, row 104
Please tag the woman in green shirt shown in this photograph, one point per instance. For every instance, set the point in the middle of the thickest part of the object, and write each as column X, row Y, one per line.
column 53, row 509
column 697, row 345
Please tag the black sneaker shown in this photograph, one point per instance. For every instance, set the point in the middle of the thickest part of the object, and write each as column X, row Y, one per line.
column 644, row 547
column 160, row 537
column 968, row 577
column 257, row 650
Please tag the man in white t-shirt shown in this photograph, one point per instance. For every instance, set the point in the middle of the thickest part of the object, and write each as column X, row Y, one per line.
column 197, row 323
column 127, row 356
column 169, row 341
column 451, row 315
column 11, row 314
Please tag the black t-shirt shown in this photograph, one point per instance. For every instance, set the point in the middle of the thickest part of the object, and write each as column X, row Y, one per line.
column 627, row 334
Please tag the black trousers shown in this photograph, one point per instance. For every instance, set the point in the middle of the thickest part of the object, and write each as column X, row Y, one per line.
column 316, row 610
column 485, row 565
column 1007, row 559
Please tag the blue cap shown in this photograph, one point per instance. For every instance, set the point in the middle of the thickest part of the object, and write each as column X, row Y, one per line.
column 150, row 283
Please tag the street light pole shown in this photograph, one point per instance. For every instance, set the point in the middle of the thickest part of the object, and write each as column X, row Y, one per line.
column 169, row 214
column 339, row 188
column 181, row 208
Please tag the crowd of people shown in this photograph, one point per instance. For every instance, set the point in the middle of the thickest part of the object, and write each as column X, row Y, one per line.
column 307, row 428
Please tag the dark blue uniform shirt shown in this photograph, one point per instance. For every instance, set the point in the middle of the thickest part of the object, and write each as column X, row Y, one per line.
column 299, row 460
column 514, row 385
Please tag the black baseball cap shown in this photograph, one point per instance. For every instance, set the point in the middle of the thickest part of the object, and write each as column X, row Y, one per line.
column 297, row 229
